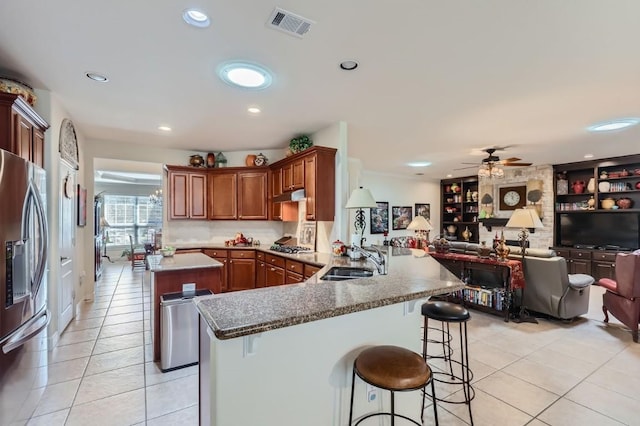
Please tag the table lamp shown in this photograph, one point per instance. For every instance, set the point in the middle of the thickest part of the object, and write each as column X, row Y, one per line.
column 421, row 226
column 524, row 219
column 360, row 199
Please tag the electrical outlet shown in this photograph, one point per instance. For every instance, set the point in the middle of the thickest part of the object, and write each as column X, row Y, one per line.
column 188, row 287
column 372, row 393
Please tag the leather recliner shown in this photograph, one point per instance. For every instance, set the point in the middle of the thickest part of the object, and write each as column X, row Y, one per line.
column 622, row 297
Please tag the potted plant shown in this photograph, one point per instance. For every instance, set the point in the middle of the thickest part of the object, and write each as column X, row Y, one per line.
column 300, row 143
column 126, row 252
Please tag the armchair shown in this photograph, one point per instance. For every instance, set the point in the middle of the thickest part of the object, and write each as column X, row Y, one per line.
column 622, row 297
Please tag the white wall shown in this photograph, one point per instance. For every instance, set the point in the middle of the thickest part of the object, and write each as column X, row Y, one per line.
column 397, row 191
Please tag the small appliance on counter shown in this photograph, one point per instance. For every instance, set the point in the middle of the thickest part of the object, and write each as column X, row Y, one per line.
column 288, row 245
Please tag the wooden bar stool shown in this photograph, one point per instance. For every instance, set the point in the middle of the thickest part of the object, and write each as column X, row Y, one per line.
column 447, row 313
column 394, row 369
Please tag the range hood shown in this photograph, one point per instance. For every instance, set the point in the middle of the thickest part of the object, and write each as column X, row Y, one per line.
column 296, row 195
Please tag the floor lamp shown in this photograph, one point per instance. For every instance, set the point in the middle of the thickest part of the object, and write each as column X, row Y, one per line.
column 105, row 237
column 360, row 199
column 524, row 219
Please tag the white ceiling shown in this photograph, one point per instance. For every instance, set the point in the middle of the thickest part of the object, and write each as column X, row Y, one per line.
column 437, row 79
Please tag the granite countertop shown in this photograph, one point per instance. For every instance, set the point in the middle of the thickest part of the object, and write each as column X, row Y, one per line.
column 411, row 276
column 158, row 263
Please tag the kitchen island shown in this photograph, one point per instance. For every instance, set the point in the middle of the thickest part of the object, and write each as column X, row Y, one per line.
column 168, row 274
column 283, row 355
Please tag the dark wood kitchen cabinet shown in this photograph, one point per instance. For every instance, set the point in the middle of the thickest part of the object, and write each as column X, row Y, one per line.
column 223, row 189
column 242, row 270
column 275, row 190
column 220, row 256
column 261, row 269
column 275, row 273
column 309, row 270
column 21, row 129
column 238, row 194
column 293, row 175
column 187, row 193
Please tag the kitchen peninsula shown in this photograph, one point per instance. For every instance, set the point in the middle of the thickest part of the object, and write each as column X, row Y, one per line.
column 283, row 355
column 168, row 274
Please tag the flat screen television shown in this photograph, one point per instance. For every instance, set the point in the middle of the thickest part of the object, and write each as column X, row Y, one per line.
column 600, row 230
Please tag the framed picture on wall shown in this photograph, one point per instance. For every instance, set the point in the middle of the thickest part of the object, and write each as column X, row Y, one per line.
column 423, row 210
column 379, row 218
column 401, row 217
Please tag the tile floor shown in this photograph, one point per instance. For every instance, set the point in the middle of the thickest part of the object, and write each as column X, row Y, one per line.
column 550, row 373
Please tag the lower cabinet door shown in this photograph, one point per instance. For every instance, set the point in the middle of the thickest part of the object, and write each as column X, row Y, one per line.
column 261, row 274
column 293, row 278
column 242, row 274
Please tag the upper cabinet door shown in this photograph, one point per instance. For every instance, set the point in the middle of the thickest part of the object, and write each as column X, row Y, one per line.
column 252, row 195
column 223, row 190
column 310, row 186
column 293, row 175
column 198, row 195
column 178, row 193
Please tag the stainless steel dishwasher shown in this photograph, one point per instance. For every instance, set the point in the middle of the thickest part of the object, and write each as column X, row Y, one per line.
column 179, row 326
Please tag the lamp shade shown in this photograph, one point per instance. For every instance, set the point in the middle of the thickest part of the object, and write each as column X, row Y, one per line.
column 360, row 198
column 419, row 223
column 524, row 218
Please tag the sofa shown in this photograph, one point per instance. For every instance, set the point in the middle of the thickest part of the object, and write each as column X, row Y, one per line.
column 549, row 288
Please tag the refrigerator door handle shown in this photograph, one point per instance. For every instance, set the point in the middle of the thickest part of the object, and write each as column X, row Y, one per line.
column 29, row 329
column 33, row 199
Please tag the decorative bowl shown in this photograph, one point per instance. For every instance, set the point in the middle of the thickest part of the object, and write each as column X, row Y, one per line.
column 608, row 203
column 167, row 252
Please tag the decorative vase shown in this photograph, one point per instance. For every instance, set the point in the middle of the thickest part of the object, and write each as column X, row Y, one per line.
column 502, row 250
column 578, row 187
column 562, row 184
column 211, row 159
column 608, row 203
column 196, row 160
column 591, row 186
column 625, row 203
column 249, row 160
column 474, row 196
column 468, row 195
column 451, row 230
column 466, row 234
column 455, row 187
column 591, row 204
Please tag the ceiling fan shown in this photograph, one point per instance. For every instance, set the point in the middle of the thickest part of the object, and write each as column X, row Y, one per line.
column 492, row 161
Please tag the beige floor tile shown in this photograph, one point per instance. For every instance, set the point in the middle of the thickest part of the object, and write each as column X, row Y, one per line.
column 185, row 417
column 25, row 408
column 57, row 418
column 148, row 352
column 127, row 302
column 536, row 422
column 147, row 324
column 114, row 360
column 154, row 374
column 617, row 381
column 569, row 364
column 488, row 410
column 86, row 335
column 122, row 409
column 555, row 381
column 119, row 329
column 90, row 306
column 568, row 413
column 491, row 355
column 518, row 393
column 110, row 383
column 445, row 418
column 74, row 351
column 128, row 291
column 167, row 397
column 32, row 359
column 122, row 318
column 91, row 313
column 117, row 310
column 57, row 397
column 627, row 361
column 61, row 372
column 84, row 324
column 126, row 296
column 586, row 352
column 604, row 401
column 115, row 343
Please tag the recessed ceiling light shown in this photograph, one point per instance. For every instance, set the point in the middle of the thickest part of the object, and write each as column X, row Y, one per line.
column 254, row 110
column 196, row 18
column 164, row 128
column 419, row 164
column 97, row 77
column 246, row 75
column 610, row 125
column 588, row 156
column 449, row 175
column 349, row 65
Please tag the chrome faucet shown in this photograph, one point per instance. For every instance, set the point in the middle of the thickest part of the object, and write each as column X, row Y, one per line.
column 378, row 260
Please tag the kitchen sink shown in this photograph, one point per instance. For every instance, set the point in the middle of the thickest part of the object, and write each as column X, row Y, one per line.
column 340, row 273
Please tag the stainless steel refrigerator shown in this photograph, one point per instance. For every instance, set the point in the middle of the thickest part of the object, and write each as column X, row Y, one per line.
column 24, row 240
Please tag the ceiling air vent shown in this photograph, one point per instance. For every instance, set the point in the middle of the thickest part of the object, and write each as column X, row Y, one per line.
column 289, row 23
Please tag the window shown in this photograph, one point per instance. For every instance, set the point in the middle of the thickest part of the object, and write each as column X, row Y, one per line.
column 131, row 215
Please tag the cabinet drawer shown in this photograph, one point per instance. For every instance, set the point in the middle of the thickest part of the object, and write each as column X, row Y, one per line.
column 609, row 257
column 275, row 260
column 243, row 254
column 580, row 254
column 309, row 270
column 260, row 255
column 293, row 266
column 179, row 251
column 215, row 252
